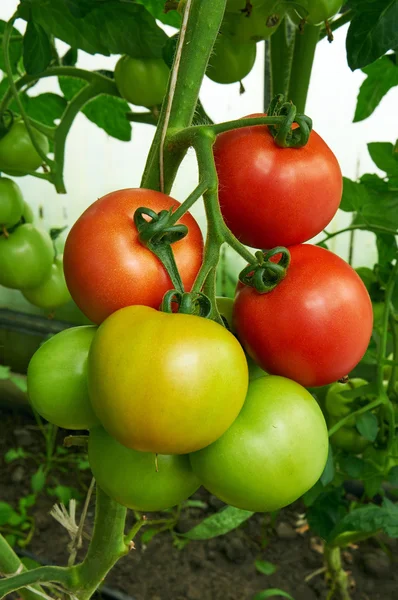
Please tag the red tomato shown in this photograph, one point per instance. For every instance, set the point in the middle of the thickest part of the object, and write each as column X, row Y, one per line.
column 314, row 327
column 272, row 196
column 106, row 266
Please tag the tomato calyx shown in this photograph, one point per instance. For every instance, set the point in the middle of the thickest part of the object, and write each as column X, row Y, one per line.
column 188, row 303
column 283, row 134
column 266, row 274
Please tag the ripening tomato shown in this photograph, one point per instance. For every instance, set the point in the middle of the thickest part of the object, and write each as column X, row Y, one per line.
column 26, row 256
column 107, row 267
column 315, row 326
column 272, row 196
column 17, row 153
column 274, row 451
column 230, row 62
column 11, row 203
column 57, row 379
column 130, row 477
column 165, row 383
column 52, row 292
column 142, row 81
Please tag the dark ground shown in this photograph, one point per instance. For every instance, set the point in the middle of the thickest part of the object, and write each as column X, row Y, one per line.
column 219, row 569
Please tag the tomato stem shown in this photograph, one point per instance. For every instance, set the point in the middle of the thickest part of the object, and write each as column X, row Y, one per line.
column 374, row 228
column 303, row 58
column 282, row 46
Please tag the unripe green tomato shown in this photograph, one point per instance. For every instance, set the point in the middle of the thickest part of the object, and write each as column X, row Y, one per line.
column 347, row 438
column 17, row 153
column 340, row 406
column 57, row 379
column 230, row 62
column 27, row 213
column 314, row 12
column 239, row 5
column 130, row 477
column 142, row 81
column 11, row 203
column 53, row 292
column 26, row 256
column 274, row 451
column 259, row 25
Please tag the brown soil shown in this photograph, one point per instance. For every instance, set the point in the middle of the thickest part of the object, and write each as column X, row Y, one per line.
column 219, row 569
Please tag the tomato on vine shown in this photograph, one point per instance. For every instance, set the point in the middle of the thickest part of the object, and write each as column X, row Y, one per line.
column 316, row 12
column 260, row 24
column 131, row 477
column 107, row 267
column 52, row 292
column 17, row 153
column 272, row 196
column 274, row 451
column 165, row 383
column 11, row 203
column 315, row 326
column 230, row 62
column 142, row 81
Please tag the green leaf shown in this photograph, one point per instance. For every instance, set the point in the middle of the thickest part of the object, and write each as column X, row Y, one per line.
column 393, row 476
column 6, row 511
column 354, row 196
column 112, row 27
column 367, row 276
column 11, row 539
column 272, row 593
column 26, row 502
column 148, row 535
column 14, row 454
column 156, row 8
column 352, row 465
column 326, row 512
column 386, row 248
column 385, row 157
column 370, row 518
column 80, row 8
column 83, row 464
column 46, row 108
column 218, row 524
column 64, row 493
column 15, row 520
column 373, row 484
column 37, row 51
column 373, row 31
column 107, row 112
column 328, row 472
column 4, row 372
column 265, row 567
column 38, row 480
column 15, row 48
column 20, row 382
column 382, row 75
column 312, row 494
column 368, row 426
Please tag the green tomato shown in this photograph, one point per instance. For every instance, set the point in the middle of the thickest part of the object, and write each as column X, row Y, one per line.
column 347, row 438
column 315, row 12
column 130, row 477
column 337, row 405
column 27, row 213
column 142, row 81
column 17, row 153
column 52, row 292
column 259, row 25
column 230, row 62
column 11, row 203
column 57, row 379
column 26, row 256
column 239, row 5
column 274, row 451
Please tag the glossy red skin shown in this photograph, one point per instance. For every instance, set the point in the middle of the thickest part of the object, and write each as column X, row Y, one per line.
column 314, row 327
column 107, row 268
column 272, row 196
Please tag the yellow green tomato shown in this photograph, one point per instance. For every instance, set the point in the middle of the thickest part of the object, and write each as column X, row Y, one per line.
column 57, row 379
column 26, row 256
column 142, row 81
column 53, row 292
column 27, row 213
column 131, row 479
column 165, row 383
column 230, row 62
column 274, row 451
column 11, row 203
column 17, row 153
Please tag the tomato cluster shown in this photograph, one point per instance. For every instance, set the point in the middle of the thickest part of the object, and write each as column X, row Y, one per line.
column 28, row 261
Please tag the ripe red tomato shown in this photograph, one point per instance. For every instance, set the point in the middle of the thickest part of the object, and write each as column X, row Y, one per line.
column 272, row 196
column 107, row 268
column 315, row 326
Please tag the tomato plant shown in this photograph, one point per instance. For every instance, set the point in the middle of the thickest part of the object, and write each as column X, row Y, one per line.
column 317, row 11
column 321, row 319
column 17, row 153
column 11, row 203
column 277, row 196
column 142, row 81
column 52, row 292
column 26, row 256
column 57, row 382
column 231, row 62
column 280, row 436
column 260, row 24
column 195, row 376
column 131, row 478
column 105, row 240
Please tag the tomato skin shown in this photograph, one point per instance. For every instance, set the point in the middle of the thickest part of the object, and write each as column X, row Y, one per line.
column 27, row 213
column 347, row 438
column 26, row 257
column 277, row 196
column 317, row 11
column 142, row 81
column 130, row 477
column 17, row 153
column 314, row 327
column 11, row 203
column 274, row 451
column 52, row 292
column 238, row 5
column 57, row 379
column 106, row 266
column 178, row 380
column 230, row 62
column 262, row 22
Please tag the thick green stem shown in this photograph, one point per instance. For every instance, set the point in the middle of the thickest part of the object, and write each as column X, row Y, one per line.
column 267, row 87
column 394, row 335
column 203, row 23
column 303, row 58
column 339, row 579
column 11, row 564
column 386, row 315
column 282, row 47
